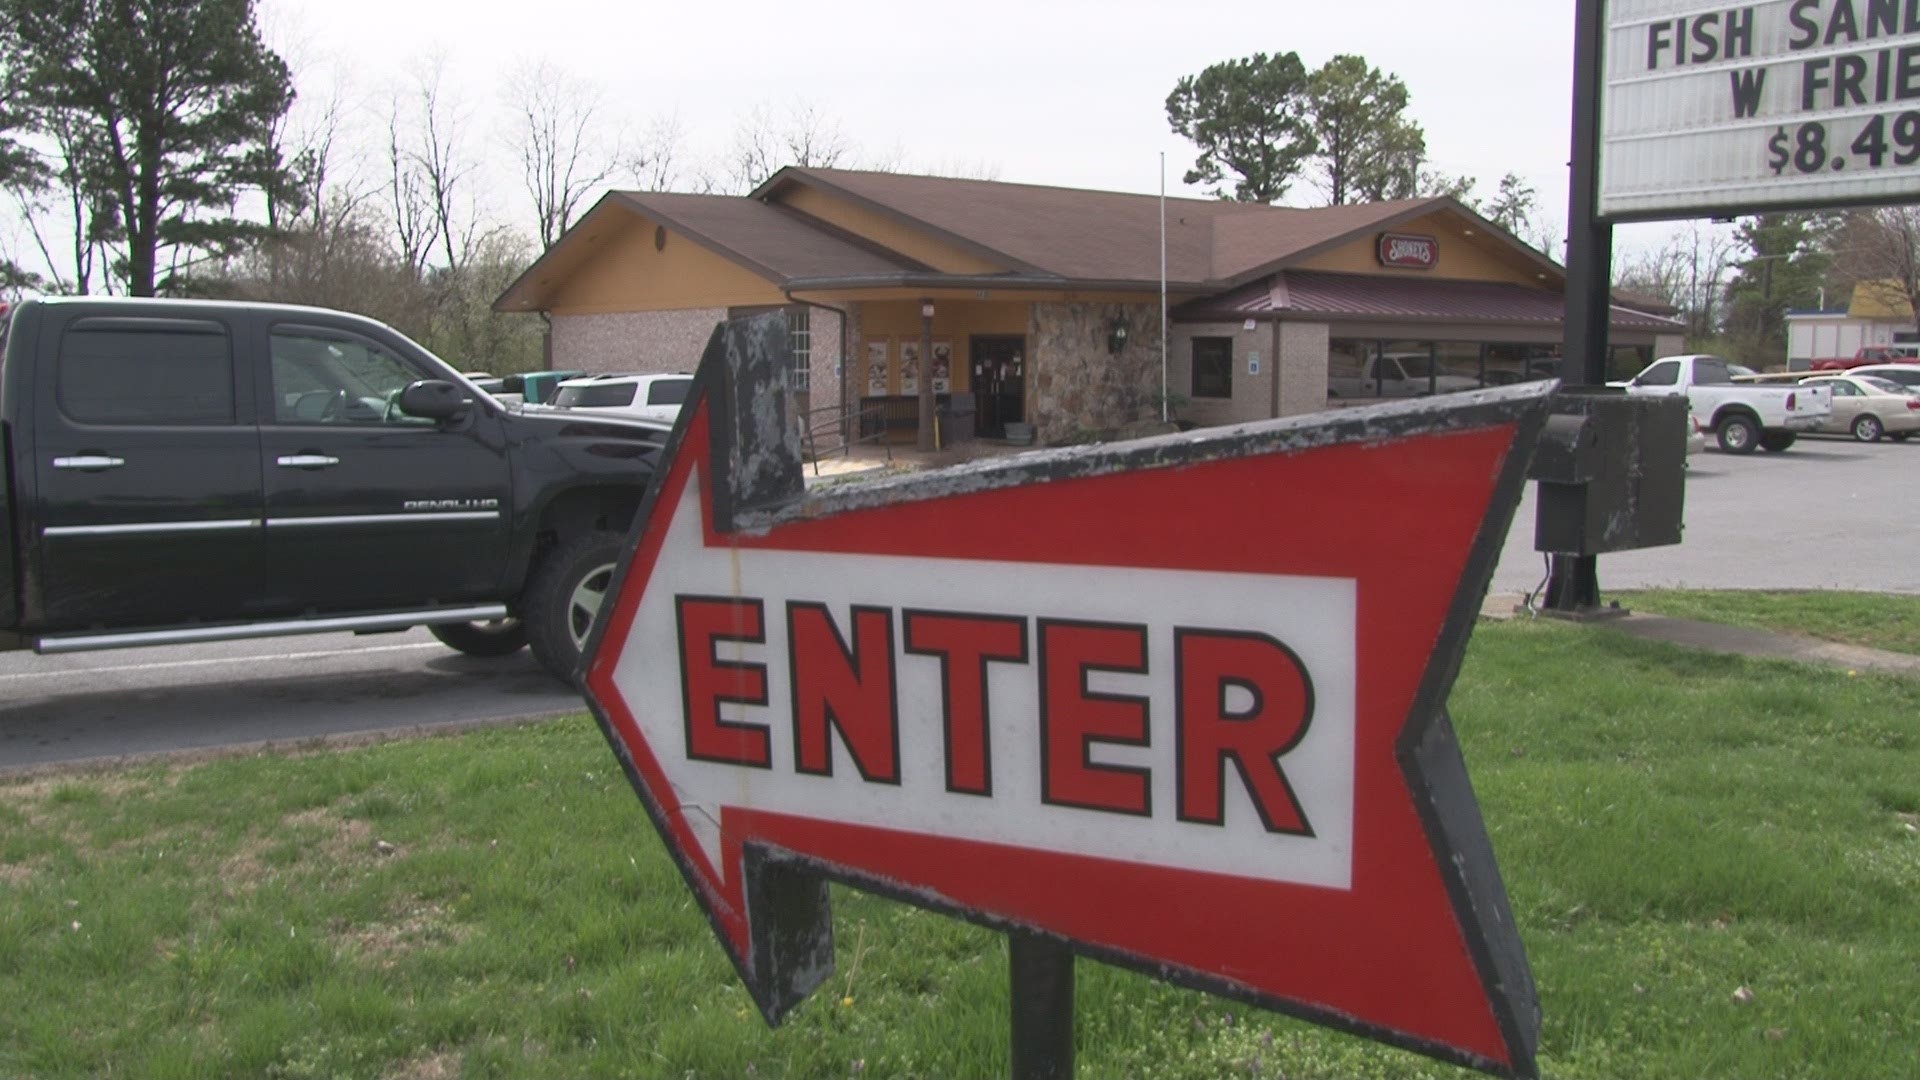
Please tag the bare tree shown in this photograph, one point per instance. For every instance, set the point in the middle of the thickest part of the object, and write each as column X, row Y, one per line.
column 1689, row 272
column 429, row 187
column 562, row 159
column 653, row 160
column 84, row 214
column 1879, row 250
column 409, row 203
column 764, row 143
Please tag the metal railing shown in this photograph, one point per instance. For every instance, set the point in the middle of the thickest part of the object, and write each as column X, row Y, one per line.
column 849, row 425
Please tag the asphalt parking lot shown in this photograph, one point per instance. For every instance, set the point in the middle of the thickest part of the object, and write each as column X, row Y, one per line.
column 1829, row 513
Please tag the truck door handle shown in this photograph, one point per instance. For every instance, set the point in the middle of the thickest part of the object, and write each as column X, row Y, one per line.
column 307, row 461
column 89, row 462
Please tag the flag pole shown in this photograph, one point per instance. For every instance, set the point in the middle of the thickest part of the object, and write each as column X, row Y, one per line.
column 1166, row 407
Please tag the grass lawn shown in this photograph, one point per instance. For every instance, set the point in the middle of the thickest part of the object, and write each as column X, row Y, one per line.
column 1714, row 863
column 1876, row 619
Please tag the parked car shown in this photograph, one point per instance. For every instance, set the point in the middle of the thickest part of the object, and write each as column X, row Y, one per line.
column 182, row 471
column 1398, row 375
column 537, row 387
column 1867, row 407
column 1907, row 375
column 650, row 397
column 1742, row 416
column 1868, row 354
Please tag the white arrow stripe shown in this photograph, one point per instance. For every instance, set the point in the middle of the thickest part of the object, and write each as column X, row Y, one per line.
column 1315, row 617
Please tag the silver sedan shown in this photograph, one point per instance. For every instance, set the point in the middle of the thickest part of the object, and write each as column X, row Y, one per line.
column 1867, row 407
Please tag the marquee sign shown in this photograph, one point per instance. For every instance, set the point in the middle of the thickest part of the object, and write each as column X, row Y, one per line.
column 1130, row 697
column 1409, row 252
column 1712, row 109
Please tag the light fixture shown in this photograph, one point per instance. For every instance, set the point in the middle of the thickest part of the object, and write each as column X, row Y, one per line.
column 1117, row 335
column 926, row 310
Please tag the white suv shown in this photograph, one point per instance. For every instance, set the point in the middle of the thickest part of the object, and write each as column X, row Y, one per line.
column 650, row 397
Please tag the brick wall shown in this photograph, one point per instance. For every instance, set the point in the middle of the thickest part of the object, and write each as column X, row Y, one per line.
column 1252, row 394
column 642, row 341
column 1302, row 350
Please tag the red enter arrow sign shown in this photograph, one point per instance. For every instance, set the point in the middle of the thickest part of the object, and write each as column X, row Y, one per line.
column 1178, row 702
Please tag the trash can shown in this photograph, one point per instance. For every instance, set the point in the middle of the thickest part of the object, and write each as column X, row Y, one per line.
column 956, row 424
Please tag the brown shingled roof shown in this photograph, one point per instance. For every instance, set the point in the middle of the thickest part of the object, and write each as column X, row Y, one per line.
column 1046, row 237
column 774, row 241
column 1103, row 235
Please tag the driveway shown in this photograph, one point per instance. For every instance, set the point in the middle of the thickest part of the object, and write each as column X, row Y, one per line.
column 140, row 701
column 1827, row 514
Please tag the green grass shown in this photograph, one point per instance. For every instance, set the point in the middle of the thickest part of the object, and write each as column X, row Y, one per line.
column 1876, row 619
column 1673, row 826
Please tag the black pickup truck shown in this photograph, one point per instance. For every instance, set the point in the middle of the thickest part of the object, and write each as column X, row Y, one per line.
column 181, row 471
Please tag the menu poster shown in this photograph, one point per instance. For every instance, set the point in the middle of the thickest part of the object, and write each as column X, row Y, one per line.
column 877, row 368
column 942, row 366
column 909, row 368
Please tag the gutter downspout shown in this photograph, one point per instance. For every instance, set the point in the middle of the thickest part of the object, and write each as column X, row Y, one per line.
column 846, row 363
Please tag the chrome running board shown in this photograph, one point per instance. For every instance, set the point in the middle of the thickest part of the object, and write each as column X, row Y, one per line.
column 394, row 620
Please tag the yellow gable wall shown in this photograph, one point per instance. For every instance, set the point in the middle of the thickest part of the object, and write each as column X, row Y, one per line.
column 1462, row 257
column 627, row 273
column 886, row 232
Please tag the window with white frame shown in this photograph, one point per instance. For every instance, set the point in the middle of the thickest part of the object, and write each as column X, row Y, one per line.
column 800, row 343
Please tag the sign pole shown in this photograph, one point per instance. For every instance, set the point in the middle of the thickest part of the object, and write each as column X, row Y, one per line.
column 1574, row 581
column 1040, row 972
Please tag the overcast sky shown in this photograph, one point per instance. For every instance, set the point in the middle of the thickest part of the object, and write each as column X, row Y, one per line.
column 1068, row 92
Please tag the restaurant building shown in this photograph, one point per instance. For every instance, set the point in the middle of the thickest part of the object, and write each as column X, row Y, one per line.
column 1041, row 306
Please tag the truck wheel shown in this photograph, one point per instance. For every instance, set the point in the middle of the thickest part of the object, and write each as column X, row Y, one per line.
column 1738, row 434
column 501, row 637
column 563, row 596
column 1776, row 441
column 1867, row 428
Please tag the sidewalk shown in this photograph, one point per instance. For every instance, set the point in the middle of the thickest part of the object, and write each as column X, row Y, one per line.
column 1717, row 637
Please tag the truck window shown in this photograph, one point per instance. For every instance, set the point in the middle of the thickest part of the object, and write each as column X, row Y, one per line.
column 330, row 377
column 1664, row 373
column 1711, row 371
column 669, row 391
column 161, row 372
column 596, row 396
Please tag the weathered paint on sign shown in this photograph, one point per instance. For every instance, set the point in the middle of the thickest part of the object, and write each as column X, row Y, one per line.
column 1177, row 702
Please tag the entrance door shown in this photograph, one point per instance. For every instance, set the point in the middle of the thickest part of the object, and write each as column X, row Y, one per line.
column 999, row 384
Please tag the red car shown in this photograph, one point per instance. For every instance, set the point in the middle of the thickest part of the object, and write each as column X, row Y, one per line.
column 1869, row 354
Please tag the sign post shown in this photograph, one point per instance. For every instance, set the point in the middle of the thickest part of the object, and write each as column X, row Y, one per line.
column 1573, row 581
column 1176, row 704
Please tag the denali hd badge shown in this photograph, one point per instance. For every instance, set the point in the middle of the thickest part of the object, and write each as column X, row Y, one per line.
column 450, row 504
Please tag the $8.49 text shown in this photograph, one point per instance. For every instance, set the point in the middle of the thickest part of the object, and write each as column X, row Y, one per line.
column 1809, row 147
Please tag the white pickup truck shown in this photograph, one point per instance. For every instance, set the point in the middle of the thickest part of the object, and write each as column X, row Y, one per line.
column 1398, row 375
column 1742, row 416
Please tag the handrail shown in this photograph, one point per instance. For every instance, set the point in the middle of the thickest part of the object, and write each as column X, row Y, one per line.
column 846, row 422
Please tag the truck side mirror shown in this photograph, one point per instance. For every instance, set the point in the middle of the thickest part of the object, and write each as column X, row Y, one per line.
column 433, row 399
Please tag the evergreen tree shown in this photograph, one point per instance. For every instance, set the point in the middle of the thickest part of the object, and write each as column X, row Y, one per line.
column 1787, row 258
column 1250, row 118
column 174, row 104
column 1368, row 149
